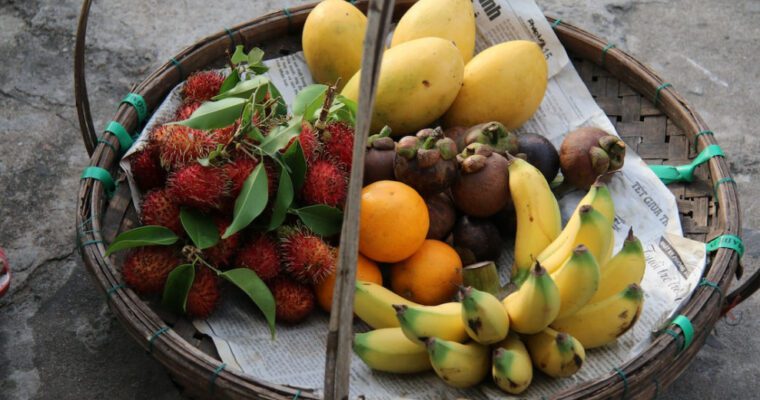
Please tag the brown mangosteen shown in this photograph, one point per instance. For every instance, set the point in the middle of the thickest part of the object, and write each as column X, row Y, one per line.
column 442, row 214
column 457, row 134
column 483, row 185
column 493, row 134
column 378, row 162
column 587, row 153
column 476, row 239
column 540, row 152
column 426, row 162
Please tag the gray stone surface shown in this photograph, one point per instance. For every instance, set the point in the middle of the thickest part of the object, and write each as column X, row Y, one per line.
column 57, row 337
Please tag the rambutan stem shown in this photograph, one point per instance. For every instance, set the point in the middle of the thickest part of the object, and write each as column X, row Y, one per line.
column 329, row 97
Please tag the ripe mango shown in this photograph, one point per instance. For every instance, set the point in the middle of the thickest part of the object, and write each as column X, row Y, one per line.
column 447, row 19
column 504, row 83
column 333, row 36
column 418, row 82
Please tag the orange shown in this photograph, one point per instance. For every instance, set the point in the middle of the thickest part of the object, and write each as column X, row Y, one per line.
column 431, row 276
column 393, row 222
column 366, row 270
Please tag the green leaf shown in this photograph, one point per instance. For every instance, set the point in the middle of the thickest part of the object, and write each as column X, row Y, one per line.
column 206, row 161
column 307, row 96
column 258, row 69
column 239, row 55
column 321, row 219
column 230, row 81
column 343, row 109
column 281, row 108
column 215, row 114
column 283, row 200
column 177, row 287
column 254, row 287
column 250, row 202
column 200, row 227
column 280, row 136
column 255, row 56
column 150, row 235
column 243, row 89
column 296, row 162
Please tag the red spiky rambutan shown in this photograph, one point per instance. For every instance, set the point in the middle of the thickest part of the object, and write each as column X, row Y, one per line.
column 197, row 186
column 158, row 209
column 294, row 301
column 146, row 169
column 338, row 141
column 224, row 135
column 307, row 257
column 157, row 135
column 221, row 253
column 146, row 268
column 325, row 183
column 186, row 110
column 238, row 171
column 308, row 140
column 260, row 253
column 203, row 295
column 182, row 145
column 202, row 86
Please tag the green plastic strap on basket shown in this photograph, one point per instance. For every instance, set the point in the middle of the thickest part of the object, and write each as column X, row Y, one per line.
column 701, row 133
column 297, row 395
column 113, row 289
column 685, row 173
column 232, row 37
column 656, row 388
column 101, row 175
column 727, row 241
column 721, row 181
column 556, row 22
column 687, row 329
column 625, row 381
column 155, row 336
column 138, row 102
column 288, row 15
column 179, row 68
column 217, row 371
column 605, row 50
column 118, row 130
column 108, row 144
column 657, row 92
column 715, row 286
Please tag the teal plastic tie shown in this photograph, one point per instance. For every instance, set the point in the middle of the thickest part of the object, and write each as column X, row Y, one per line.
column 288, row 15
column 721, row 181
column 118, row 130
column 605, row 50
column 155, row 336
column 701, row 133
column 232, row 38
column 113, row 289
column 556, row 23
column 727, row 241
column 217, row 371
column 108, row 144
column 100, row 174
column 704, row 282
column 625, row 381
column 138, row 103
column 179, row 68
column 685, row 173
column 657, row 92
column 687, row 329
column 297, row 395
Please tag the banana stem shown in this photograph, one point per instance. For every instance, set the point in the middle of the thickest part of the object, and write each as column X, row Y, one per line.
column 483, row 276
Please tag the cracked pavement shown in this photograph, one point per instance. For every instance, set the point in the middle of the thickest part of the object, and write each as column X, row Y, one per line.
column 57, row 337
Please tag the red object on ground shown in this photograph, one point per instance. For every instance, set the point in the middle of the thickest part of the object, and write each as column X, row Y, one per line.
column 5, row 273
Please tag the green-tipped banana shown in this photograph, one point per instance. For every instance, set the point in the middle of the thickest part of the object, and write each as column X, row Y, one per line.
column 422, row 322
column 459, row 365
column 556, row 354
column 511, row 366
column 600, row 323
column 535, row 305
column 389, row 350
column 577, row 281
column 625, row 268
column 485, row 318
column 594, row 231
column 373, row 303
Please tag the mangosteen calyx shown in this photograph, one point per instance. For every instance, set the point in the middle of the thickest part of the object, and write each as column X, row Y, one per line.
column 426, row 161
column 495, row 135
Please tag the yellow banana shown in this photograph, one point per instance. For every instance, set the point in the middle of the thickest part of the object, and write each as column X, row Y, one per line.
column 484, row 317
column 556, row 354
column 577, row 281
column 538, row 218
column 459, row 365
column 421, row 322
column 625, row 268
column 535, row 304
column 511, row 367
column 373, row 303
column 603, row 202
column 600, row 323
column 594, row 231
column 389, row 350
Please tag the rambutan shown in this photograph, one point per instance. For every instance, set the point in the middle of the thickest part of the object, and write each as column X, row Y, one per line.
column 294, row 301
column 186, row 110
column 203, row 295
column 197, row 186
column 146, row 169
column 308, row 141
column 260, row 253
column 182, row 145
column 224, row 135
column 307, row 257
column 221, row 253
column 202, row 86
column 325, row 183
column 146, row 268
column 158, row 209
column 158, row 134
column 338, row 141
column 238, row 171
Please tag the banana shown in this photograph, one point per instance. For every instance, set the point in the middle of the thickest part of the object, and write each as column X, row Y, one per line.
column 535, row 304
column 603, row 202
column 422, row 322
column 577, row 281
column 600, row 323
column 389, row 350
column 459, row 365
column 625, row 268
column 511, row 367
column 373, row 303
column 484, row 317
column 556, row 354
column 594, row 231
column 538, row 219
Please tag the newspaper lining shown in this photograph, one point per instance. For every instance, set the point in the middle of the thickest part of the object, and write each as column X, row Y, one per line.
column 674, row 263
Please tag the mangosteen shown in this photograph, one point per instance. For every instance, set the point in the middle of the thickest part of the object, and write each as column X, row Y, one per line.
column 457, row 134
column 378, row 161
column 426, row 162
column 493, row 134
column 476, row 239
column 540, row 153
column 442, row 214
column 587, row 153
column 483, row 185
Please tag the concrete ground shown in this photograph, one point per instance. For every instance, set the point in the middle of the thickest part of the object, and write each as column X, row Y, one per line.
column 57, row 337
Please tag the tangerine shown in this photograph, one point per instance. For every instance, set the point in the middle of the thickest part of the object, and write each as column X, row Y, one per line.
column 366, row 270
column 431, row 276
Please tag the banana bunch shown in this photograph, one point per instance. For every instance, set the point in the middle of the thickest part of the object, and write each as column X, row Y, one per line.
column 389, row 350
column 577, row 281
column 511, row 367
column 485, row 318
column 422, row 322
column 535, row 304
column 459, row 365
column 556, row 354
column 373, row 303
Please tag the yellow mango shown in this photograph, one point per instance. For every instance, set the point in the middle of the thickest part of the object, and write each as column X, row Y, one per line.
column 418, row 82
column 333, row 36
column 447, row 19
column 504, row 83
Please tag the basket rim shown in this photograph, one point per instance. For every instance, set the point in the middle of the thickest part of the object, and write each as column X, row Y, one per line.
column 190, row 365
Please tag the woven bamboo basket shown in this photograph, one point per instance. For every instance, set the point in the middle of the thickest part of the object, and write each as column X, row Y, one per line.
column 652, row 118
